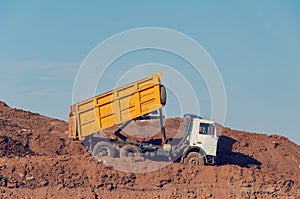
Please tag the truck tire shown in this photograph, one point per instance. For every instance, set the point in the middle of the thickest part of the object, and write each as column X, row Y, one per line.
column 130, row 151
column 104, row 149
column 163, row 95
column 194, row 158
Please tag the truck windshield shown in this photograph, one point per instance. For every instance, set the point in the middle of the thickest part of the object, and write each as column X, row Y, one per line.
column 207, row 129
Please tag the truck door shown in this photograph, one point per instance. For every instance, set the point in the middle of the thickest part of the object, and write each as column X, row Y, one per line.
column 205, row 138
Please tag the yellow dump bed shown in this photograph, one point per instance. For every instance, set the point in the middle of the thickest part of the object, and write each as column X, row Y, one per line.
column 116, row 107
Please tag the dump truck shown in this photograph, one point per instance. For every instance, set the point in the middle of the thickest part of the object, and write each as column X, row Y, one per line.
column 141, row 100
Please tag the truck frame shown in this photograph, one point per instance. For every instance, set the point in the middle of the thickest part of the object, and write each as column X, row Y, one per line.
column 141, row 100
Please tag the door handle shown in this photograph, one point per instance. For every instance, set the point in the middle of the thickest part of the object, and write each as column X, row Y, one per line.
column 199, row 142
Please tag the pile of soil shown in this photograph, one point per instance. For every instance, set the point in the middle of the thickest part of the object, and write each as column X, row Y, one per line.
column 37, row 160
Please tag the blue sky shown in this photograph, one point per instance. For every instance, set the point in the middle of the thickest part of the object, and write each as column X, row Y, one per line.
column 255, row 45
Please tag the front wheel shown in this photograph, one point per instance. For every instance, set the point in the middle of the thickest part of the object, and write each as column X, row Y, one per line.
column 194, row 158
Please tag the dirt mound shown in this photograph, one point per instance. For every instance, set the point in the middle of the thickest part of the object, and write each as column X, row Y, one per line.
column 42, row 135
column 3, row 104
column 37, row 160
column 10, row 147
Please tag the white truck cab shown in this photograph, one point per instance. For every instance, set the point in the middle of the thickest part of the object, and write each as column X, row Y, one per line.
column 203, row 140
column 204, row 136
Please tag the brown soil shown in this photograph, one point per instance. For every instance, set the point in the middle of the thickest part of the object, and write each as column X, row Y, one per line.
column 37, row 160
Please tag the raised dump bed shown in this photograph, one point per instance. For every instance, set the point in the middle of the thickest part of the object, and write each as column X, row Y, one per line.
column 116, row 107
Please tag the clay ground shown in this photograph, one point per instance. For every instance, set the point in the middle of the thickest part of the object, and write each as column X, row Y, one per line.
column 37, row 160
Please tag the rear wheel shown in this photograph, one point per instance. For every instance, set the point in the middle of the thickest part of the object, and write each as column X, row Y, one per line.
column 130, row 151
column 194, row 158
column 104, row 149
